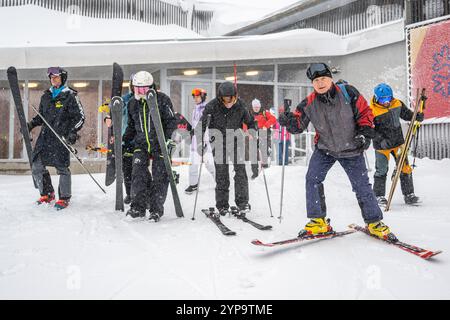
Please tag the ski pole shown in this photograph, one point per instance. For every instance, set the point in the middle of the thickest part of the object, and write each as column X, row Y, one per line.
column 69, row 148
column 367, row 162
column 208, row 121
column 282, row 172
column 264, row 176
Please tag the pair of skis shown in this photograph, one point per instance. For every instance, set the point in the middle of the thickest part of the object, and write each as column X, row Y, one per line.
column 420, row 252
column 214, row 216
column 114, row 158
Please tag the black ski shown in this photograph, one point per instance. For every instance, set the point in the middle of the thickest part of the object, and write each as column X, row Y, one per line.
column 156, row 119
column 215, row 217
column 242, row 217
column 116, row 113
column 117, row 81
column 15, row 91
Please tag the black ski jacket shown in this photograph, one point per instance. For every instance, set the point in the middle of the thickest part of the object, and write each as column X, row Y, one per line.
column 141, row 127
column 65, row 115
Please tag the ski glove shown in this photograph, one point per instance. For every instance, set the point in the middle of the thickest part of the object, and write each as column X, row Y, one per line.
column 420, row 116
column 289, row 120
column 362, row 142
column 72, row 138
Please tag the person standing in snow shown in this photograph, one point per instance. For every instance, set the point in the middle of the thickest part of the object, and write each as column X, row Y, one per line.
column 389, row 140
column 265, row 121
column 228, row 114
column 344, row 128
column 62, row 109
column 141, row 130
column 281, row 135
column 199, row 96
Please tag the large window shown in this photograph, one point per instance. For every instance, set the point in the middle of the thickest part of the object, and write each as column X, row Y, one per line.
column 292, row 73
column 5, row 98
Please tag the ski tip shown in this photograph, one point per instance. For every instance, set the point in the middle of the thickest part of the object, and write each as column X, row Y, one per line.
column 11, row 70
column 430, row 254
column 257, row 242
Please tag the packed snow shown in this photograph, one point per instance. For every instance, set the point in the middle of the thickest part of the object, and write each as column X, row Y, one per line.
column 89, row 251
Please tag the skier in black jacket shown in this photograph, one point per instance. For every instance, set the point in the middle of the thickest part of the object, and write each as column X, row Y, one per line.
column 142, row 131
column 228, row 114
column 62, row 109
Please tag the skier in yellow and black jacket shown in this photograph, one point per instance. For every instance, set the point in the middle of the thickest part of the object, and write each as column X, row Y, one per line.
column 387, row 112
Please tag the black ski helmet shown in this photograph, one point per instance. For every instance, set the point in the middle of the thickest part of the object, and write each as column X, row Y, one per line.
column 316, row 70
column 227, row 89
column 58, row 71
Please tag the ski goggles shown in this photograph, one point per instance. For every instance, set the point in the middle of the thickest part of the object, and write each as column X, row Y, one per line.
column 385, row 99
column 141, row 90
column 316, row 70
column 53, row 71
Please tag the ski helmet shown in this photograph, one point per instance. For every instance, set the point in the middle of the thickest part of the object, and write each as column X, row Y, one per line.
column 316, row 70
column 199, row 92
column 58, row 71
column 383, row 93
column 142, row 79
column 227, row 89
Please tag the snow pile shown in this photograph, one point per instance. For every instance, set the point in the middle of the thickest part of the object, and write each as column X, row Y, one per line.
column 90, row 251
column 36, row 26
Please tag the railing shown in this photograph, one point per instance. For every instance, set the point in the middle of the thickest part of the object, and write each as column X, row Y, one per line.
column 421, row 10
column 355, row 16
column 150, row 11
column 434, row 141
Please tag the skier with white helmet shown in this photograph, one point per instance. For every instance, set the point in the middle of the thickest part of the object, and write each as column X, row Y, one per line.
column 146, row 147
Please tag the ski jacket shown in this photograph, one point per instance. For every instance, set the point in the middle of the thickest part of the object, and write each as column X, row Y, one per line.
column 388, row 130
column 140, row 125
column 265, row 119
column 65, row 115
column 337, row 119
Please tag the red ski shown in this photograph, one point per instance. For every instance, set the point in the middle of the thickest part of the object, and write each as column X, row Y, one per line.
column 299, row 239
column 423, row 253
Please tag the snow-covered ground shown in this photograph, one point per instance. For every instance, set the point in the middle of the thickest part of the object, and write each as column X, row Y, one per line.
column 90, row 251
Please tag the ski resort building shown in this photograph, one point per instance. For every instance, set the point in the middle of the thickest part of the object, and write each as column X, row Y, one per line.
column 364, row 41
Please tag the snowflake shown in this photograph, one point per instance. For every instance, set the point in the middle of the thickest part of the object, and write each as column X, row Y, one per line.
column 442, row 85
column 442, row 59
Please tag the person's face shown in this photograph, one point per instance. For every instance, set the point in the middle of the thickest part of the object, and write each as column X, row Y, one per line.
column 197, row 99
column 322, row 84
column 256, row 109
column 228, row 101
column 55, row 80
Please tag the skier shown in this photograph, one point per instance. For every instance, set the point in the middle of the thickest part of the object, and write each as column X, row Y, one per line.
column 344, row 128
column 265, row 121
column 228, row 113
column 62, row 109
column 199, row 96
column 127, row 146
column 141, row 129
column 282, row 138
column 388, row 140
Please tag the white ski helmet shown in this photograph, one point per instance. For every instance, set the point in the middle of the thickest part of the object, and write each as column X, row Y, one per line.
column 142, row 79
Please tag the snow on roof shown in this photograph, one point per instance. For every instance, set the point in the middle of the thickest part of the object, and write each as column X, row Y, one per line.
column 34, row 26
column 300, row 43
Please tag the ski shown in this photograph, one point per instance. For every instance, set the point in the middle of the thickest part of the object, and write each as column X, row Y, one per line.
column 422, row 253
column 116, row 113
column 215, row 217
column 243, row 218
column 329, row 235
column 15, row 91
column 116, row 91
column 156, row 119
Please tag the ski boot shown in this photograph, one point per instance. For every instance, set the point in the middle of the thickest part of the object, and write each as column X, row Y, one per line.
column 62, row 204
column 380, row 230
column 155, row 216
column 47, row 198
column 223, row 211
column 136, row 213
column 382, row 201
column 316, row 226
column 411, row 199
column 191, row 189
column 127, row 199
column 244, row 209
